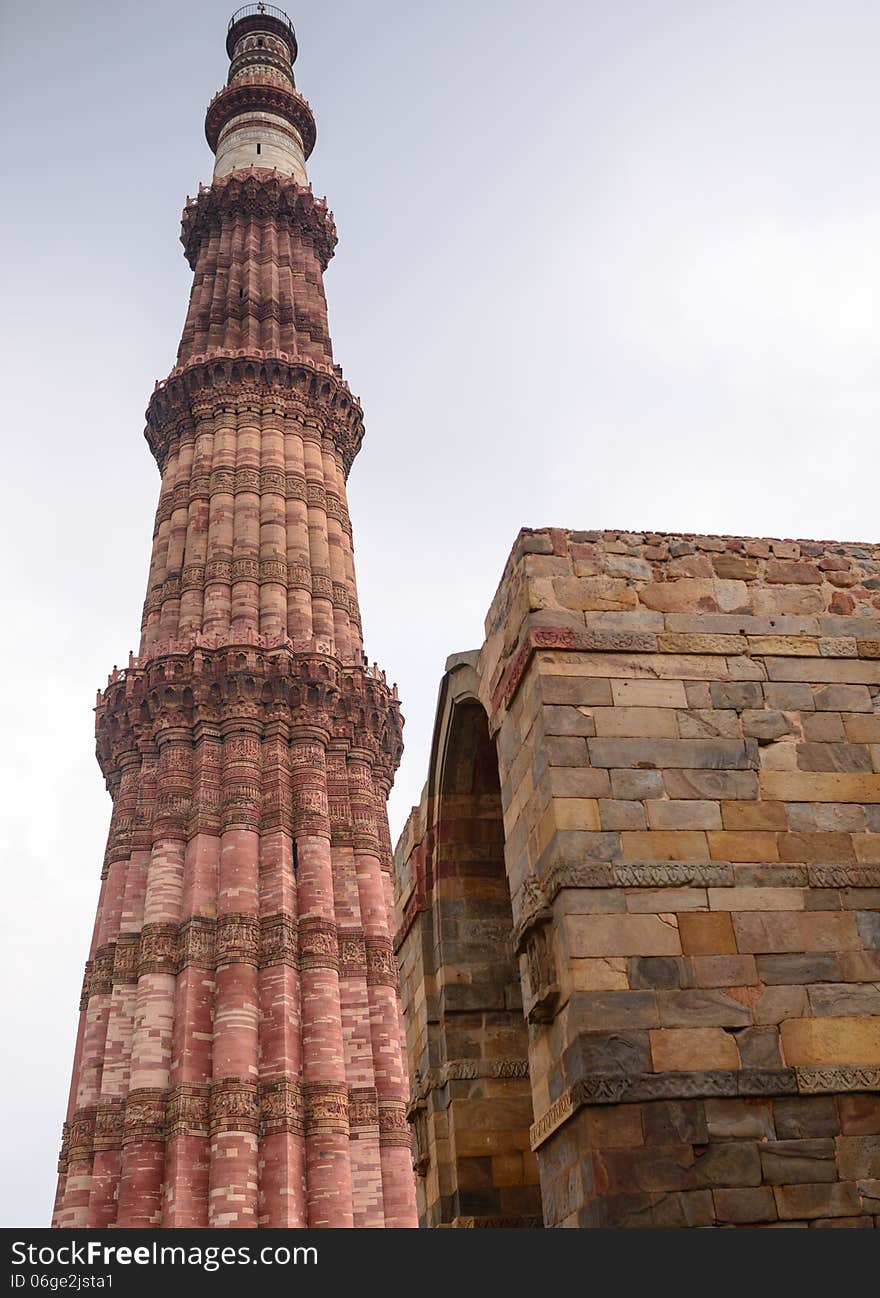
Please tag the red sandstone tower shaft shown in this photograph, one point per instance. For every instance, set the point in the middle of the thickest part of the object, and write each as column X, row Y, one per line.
column 239, row 1059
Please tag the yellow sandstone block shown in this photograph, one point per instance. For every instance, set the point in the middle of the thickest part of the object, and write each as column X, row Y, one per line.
column 685, row 1049
column 819, row 786
column 814, row 1042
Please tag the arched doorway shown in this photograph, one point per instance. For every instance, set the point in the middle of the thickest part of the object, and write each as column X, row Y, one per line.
column 474, row 1116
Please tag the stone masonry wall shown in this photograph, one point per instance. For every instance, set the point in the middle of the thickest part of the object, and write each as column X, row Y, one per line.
column 688, row 740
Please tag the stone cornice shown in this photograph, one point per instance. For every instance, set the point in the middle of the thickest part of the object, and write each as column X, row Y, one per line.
column 188, row 686
column 255, row 94
column 262, row 193
column 278, row 384
column 748, row 1082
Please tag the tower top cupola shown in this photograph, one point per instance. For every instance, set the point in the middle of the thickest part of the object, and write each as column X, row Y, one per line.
column 259, row 119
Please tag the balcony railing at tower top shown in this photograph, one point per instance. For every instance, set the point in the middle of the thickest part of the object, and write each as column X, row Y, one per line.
column 248, row 11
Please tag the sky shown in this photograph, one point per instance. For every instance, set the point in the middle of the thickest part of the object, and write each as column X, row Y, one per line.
column 602, row 263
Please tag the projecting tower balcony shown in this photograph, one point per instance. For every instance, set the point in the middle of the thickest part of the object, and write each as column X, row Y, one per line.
column 260, row 17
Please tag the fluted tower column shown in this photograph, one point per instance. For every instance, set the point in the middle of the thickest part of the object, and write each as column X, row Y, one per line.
column 239, row 1060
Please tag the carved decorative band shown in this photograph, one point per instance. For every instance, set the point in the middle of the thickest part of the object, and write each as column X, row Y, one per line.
column 295, row 487
column 278, row 941
column 841, row 1077
column 273, row 570
column 352, row 953
column 218, row 570
column 467, row 1070
column 844, row 876
column 381, row 965
column 316, row 495
column 318, row 946
column 222, row 480
column 196, row 944
column 363, row 1107
column 393, row 1126
column 81, row 1134
column 238, row 940
column 751, row 1082
column 322, row 585
column 245, row 570
column 126, row 958
column 86, row 988
column 102, row 970
column 193, row 577
column 281, row 1106
column 158, row 954
column 326, row 1107
column 299, row 576
column 235, row 1106
column 109, row 1124
column 247, row 480
column 187, row 1111
column 273, row 482
column 144, row 1115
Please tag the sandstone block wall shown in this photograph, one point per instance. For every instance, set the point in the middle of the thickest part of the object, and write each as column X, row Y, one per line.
column 688, row 742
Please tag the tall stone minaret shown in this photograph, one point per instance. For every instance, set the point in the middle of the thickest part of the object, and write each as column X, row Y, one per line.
column 239, row 1059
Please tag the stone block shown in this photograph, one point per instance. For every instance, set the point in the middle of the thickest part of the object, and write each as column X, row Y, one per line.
column 568, row 721
column 814, row 1042
column 664, row 845
column 711, row 785
column 701, row 1007
column 745, row 1207
column 619, row 814
column 706, row 934
column 607, row 1054
column 738, row 695
column 854, row 999
column 724, row 970
column 775, row 1004
column 565, row 750
column 759, row 1047
column 780, row 931
column 630, row 784
column 613, row 1127
column 800, row 1117
column 766, row 725
column 756, row 898
column 579, row 691
column 789, row 696
column 748, row 845
column 655, row 971
column 753, row 816
column 868, row 923
column 821, row 1199
column 858, row 1157
column 634, row 722
column 620, row 935
column 579, row 782
column 729, row 1163
column 688, row 754
column 675, row 1122
column 690, row 813
column 737, row 1119
column 648, row 694
column 859, row 1114
column 785, row 1162
column 798, row 968
column 658, row 901
column 688, row 1049
column 603, row 1010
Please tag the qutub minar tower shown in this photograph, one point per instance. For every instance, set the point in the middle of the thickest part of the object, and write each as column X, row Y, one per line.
column 239, row 1059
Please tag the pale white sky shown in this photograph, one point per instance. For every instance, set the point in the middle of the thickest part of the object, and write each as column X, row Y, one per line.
column 601, row 263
